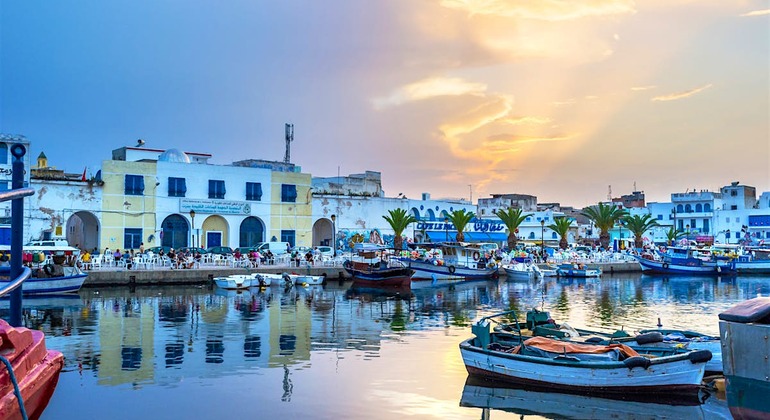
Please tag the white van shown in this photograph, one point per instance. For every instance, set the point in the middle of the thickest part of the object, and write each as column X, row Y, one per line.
column 276, row 248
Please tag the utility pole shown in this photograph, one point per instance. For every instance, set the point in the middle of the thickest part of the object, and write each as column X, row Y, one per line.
column 470, row 186
column 289, row 139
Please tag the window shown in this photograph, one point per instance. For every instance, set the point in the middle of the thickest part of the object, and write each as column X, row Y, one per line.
column 707, row 207
column 734, row 207
column 288, row 236
column 132, row 238
column 177, row 187
column 693, row 224
column 134, row 185
column 687, row 208
column 733, row 193
column 3, row 186
column 705, row 225
column 254, row 191
column 679, row 208
column 698, row 208
column 553, row 235
column 288, row 193
column 3, row 153
column 216, row 188
column 727, row 219
column 660, row 217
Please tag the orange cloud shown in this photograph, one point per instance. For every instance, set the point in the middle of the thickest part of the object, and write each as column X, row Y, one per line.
column 639, row 88
column 550, row 10
column 430, row 88
column 681, row 95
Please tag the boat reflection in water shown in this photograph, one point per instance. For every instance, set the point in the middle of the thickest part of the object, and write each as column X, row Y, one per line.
column 490, row 396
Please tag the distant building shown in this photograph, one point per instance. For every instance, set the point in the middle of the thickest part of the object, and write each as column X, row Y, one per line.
column 368, row 184
column 633, row 200
column 488, row 206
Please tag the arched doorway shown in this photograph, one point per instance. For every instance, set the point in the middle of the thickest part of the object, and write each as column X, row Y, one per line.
column 323, row 232
column 215, row 232
column 252, row 232
column 175, row 231
column 83, row 230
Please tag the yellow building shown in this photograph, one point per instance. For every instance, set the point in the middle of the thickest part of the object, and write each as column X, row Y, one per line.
column 291, row 208
column 128, row 204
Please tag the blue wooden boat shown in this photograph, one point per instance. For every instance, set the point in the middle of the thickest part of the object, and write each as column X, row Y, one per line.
column 689, row 261
column 577, row 270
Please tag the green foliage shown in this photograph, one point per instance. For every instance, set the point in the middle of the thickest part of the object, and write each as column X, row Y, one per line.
column 460, row 219
column 399, row 220
column 638, row 225
column 512, row 219
column 604, row 217
column 561, row 227
column 672, row 235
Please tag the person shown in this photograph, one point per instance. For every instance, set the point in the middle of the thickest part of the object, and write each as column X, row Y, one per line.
column 86, row 257
column 316, row 254
column 128, row 259
column 4, row 260
column 237, row 255
column 116, row 255
column 309, row 258
column 141, row 248
column 269, row 257
column 288, row 247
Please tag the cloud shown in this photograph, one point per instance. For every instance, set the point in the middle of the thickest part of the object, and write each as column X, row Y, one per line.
column 681, row 95
column 563, row 103
column 549, row 10
column 757, row 13
column 639, row 88
column 430, row 88
column 529, row 120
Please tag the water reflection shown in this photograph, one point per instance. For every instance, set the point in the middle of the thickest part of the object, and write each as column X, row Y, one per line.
column 165, row 338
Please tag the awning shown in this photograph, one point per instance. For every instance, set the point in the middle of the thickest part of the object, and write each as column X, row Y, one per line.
column 440, row 236
column 477, row 236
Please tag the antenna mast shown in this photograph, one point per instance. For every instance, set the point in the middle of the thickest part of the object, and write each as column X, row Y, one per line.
column 609, row 193
column 289, row 139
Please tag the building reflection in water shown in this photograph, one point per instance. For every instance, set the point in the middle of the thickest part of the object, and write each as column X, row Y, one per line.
column 113, row 334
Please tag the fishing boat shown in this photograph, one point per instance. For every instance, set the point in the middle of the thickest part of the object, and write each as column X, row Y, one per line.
column 615, row 368
column 524, row 269
column 577, row 270
column 49, row 279
column 235, row 281
column 370, row 266
column 686, row 260
column 451, row 261
column 548, row 270
column 539, row 323
column 748, row 260
column 307, row 279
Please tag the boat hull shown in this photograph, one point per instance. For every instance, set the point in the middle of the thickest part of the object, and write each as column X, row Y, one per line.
column 426, row 270
column 51, row 285
column 675, row 375
column 513, row 274
column 581, row 273
column 37, row 372
column 236, row 281
column 662, row 267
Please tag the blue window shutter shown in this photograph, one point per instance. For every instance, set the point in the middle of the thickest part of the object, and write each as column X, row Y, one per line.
column 183, row 187
column 259, row 192
column 212, row 188
column 140, row 190
column 224, row 191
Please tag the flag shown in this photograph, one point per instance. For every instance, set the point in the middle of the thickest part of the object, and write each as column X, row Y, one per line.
column 83, row 178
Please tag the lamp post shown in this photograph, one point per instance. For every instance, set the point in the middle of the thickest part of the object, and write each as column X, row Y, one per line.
column 446, row 229
column 192, row 218
column 620, row 232
column 542, row 238
column 334, row 234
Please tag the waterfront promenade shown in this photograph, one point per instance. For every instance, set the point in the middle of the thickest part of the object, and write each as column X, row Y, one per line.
column 120, row 276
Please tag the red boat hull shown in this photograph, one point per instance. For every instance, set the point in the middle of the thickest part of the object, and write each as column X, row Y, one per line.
column 36, row 368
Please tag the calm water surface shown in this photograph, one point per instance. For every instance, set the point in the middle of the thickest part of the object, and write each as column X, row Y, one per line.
column 338, row 352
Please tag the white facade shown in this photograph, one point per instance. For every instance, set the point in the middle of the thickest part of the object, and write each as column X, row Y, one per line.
column 212, row 215
column 70, row 209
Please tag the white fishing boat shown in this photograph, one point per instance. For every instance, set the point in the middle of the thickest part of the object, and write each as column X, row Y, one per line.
column 49, row 279
column 548, row 270
column 306, row 279
column 235, row 281
column 524, row 269
column 451, row 261
column 612, row 369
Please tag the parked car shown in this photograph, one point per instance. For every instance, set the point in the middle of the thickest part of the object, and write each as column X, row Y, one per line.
column 193, row 250
column 276, row 248
column 301, row 250
column 245, row 250
column 326, row 251
column 220, row 250
column 156, row 249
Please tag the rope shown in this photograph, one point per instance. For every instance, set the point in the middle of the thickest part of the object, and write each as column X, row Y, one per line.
column 16, row 389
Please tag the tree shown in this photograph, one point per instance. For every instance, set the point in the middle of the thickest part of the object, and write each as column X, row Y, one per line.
column 672, row 235
column 638, row 225
column 561, row 227
column 604, row 217
column 460, row 219
column 512, row 218
column 399, row 220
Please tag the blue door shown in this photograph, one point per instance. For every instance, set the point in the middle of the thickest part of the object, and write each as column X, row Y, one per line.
column 176, row 232
column 213, row 239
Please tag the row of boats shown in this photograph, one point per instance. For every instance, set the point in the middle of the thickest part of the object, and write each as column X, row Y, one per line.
column 710, row 262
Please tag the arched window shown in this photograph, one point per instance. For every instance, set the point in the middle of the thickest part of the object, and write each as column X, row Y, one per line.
column 416, row 213
column 698, row 208
column 531, row 235
column 707, row 207
column 553, row 235
column 3, row 153
column 687, row 208
column 679, row 208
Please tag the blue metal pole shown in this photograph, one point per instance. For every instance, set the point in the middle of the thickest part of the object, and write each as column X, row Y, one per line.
column 17, row 230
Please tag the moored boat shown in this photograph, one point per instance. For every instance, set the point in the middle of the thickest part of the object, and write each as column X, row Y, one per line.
column 371, row 267
column 548, row 270
column 235, row 281
column 451, row 261
column 686, row 260
column 521, row 270
column 588, row 368
column 577, row 270
column 50, row 279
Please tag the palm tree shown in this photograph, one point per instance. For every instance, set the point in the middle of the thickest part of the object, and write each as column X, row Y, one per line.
column 399, row 220
column 638, row 225
column 512, row 218
column 561, row 227
column 604, row 217
column 672, row 235
column 460, row 219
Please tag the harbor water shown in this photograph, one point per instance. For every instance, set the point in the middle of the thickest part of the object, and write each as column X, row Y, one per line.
column 335, row 351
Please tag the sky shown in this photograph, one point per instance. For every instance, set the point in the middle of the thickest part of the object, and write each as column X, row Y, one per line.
column 558, row 99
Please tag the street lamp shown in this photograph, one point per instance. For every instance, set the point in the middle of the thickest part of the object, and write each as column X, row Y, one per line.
column 334, row 234
column 620, row 233
column 542, row 238
column 446, row 229
column 192, row 218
